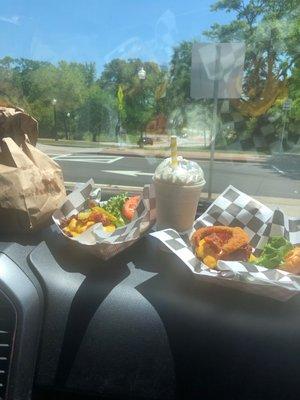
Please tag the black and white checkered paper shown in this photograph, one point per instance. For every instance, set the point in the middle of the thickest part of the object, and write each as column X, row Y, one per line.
column 235, row 208
column 95, row 240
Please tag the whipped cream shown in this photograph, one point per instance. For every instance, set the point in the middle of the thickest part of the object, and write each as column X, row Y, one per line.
column 185, row 173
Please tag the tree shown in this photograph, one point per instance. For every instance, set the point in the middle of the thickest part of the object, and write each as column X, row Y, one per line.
column 268, row 29
column 121, row 105
column 295, row 92
column 185, row 113
column 277, row 115
column 11, row 92
column 178, row 90
column 140, row 100
column 97, row 112
column 87, row 70
column 23, row 69
column 66, row 83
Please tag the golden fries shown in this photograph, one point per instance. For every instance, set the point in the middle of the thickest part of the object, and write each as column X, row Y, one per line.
column 80, row 222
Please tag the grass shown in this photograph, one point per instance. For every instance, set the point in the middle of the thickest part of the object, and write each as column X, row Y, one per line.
column 130, row 139
column 72, row 143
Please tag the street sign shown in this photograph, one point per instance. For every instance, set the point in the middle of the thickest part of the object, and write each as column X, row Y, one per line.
column 230, row 59
column 287, row 105
column 217, row 73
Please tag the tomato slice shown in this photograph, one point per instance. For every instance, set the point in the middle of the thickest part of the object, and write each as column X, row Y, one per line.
column 129, row 207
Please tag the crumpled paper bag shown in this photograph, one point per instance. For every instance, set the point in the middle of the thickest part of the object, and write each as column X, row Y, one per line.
column 31, row 187
column 15, row 123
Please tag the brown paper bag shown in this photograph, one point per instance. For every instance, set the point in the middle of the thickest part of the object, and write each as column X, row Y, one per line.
column 15, row 123
column 31, row 187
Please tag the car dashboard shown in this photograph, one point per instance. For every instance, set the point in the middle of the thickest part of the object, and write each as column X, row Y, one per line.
column 137, row 326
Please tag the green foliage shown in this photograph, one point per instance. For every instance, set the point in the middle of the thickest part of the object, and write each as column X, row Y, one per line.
column 178, row 91
column 97, row 112
column 10, row 85
column 84, row 106
column 91, row 108
column 121, row 104
column 139, row 97
column 269, row 30
column 295, row 92
column 81, row 105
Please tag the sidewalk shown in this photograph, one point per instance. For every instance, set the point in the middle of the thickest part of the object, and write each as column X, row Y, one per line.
column 288, row 206
column 150, row 151
column 190, row 154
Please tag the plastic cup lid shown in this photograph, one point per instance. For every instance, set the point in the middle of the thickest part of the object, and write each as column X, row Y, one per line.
column 185, row 173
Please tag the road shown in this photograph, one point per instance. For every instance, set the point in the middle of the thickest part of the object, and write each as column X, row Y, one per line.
column 275, row 178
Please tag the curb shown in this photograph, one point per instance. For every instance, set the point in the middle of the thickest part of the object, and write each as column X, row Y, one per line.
column 252, row 159
column 157, row 153
column 202, row 156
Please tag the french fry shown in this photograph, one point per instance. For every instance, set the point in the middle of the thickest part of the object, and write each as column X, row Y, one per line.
column 72, row 224
column 74, row 234
column 109, row 228
column 81, row 229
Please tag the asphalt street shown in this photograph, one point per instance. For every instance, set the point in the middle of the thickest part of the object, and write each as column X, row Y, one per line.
column 278, row 177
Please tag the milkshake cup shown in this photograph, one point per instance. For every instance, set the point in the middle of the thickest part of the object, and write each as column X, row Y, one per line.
column 178, row 185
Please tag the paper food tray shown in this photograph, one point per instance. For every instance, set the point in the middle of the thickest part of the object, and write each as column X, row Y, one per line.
column 94, row 239
column 235, row 208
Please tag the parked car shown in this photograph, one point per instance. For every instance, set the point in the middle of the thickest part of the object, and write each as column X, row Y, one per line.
column 182, row 135
column 145, row 140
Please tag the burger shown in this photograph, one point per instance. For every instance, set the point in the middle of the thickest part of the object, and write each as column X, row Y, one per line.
column 213, row 243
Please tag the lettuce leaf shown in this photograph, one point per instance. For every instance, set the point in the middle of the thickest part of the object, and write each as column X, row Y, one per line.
column 114, row 206
column 274, row 252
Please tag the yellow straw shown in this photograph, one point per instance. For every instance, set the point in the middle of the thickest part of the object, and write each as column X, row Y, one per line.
column 174, row 151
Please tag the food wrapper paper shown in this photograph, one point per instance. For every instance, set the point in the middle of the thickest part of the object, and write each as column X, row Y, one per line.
column 235, row 208
column 95, row 240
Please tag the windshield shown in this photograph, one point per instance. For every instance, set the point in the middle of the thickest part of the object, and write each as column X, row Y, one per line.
column 110, row 81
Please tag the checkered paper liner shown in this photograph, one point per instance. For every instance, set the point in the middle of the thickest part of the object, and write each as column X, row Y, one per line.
column 235, row 208
column 94, row 239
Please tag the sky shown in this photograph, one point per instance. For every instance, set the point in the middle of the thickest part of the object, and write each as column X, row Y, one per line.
column 100, row 30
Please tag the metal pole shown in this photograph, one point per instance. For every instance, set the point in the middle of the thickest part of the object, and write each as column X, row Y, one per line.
column 283, row 129
column 66, row 128
column 69, row 126
column 142, row 133
column 55, row 122
column 214, row 130
column 143, row 107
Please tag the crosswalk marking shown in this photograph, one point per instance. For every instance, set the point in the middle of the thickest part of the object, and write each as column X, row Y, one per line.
column 89, row 158
column 58, row 156
column 128, row 173
column 53, row 156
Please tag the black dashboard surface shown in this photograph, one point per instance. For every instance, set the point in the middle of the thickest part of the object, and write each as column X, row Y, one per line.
column 141, row 326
